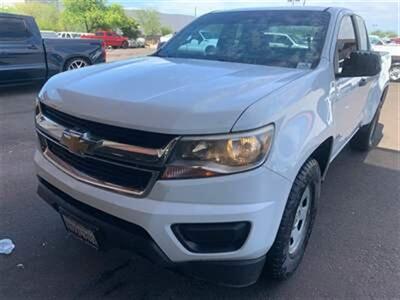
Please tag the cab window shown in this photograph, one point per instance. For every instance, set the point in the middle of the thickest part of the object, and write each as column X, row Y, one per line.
column 363, row 43
column 346, row 43
column 13, row 29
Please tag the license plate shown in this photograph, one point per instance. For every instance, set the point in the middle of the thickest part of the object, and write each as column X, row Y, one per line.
column 80, row 231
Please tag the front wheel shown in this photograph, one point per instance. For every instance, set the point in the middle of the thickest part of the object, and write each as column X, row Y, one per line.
column 297, row 221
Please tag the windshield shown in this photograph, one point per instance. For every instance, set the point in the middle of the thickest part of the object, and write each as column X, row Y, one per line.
column 291, row 39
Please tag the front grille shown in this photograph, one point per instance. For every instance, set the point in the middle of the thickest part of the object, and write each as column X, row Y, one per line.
column 104, row 171
column 109, row 132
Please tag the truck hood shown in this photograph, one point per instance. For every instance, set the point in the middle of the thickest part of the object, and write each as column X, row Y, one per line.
column 178, row 96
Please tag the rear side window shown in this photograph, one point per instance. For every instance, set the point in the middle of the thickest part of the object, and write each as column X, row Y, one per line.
column 13, row 29
column 99, row 34
column 346, row 42
column 363, row 43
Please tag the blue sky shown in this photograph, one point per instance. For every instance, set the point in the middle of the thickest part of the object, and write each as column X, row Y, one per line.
column 378, row 14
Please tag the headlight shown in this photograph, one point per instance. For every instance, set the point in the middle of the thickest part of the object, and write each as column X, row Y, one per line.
column 205, row 156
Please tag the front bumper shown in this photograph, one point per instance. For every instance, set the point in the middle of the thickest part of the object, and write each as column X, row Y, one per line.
column 257, row 196
column 125, row 235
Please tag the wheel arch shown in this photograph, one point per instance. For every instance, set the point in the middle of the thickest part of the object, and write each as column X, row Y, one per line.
column 322, row 155
column 71, row 57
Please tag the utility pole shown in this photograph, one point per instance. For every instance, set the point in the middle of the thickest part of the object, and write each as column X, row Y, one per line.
column 195, row 11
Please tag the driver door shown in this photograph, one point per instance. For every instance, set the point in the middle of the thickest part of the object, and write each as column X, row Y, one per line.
column 350, row 92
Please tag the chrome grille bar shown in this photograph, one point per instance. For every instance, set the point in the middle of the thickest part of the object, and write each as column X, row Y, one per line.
column 97, row 146
column 66, row 168
column 83, row 144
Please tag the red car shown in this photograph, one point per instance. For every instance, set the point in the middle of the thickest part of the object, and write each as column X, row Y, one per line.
column 109, row 38
column 395, row 40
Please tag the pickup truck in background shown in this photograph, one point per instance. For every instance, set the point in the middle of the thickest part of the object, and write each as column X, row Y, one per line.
column 212, row 162
column 110, row 39
column 27, row 57
column 394, row 50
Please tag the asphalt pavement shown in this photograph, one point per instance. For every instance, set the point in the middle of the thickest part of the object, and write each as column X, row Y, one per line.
column 354, row 251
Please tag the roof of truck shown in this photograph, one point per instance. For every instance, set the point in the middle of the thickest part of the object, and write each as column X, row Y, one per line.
column 4, row 14
column 293, row 8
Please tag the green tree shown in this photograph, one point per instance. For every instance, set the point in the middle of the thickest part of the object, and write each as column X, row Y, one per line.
column 115, row 18
column 149, row 21
column 89, row 13
column 382, row 34
column 166, row 30
column 96, row 14
column 130, row 28
column 46, row 15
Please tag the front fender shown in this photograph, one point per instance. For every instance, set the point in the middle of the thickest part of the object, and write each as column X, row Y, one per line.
column 302, row 114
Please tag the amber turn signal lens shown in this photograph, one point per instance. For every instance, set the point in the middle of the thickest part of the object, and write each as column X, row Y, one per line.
column 186, row 172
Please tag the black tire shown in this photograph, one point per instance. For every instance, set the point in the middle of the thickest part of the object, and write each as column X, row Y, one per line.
column 125, row 45
column 363, row 140
column 76, row 60
column 281, row 263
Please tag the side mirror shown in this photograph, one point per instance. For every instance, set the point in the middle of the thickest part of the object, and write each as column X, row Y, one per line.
column 360, row 64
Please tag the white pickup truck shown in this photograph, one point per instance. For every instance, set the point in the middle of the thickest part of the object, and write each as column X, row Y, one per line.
column 211, row 163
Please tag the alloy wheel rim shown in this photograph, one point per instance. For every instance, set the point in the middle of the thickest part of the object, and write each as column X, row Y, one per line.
column 300, row 224
column 77, row 64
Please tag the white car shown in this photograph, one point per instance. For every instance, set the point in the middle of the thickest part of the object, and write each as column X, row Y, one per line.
column 211, row 162
column 201, row 42
column 166, row 38
column 282, row 40
column 70, row 35
column 137, row 43
column 393, row 49
column 47, row 34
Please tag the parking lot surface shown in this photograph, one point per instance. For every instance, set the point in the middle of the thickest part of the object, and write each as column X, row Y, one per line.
column 118, row 54
column 354, row 251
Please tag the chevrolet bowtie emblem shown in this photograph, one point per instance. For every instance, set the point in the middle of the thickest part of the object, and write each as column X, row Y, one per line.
column 74, row 142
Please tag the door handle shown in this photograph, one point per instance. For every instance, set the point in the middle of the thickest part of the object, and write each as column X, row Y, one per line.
column 362, row 82
column 32, row 47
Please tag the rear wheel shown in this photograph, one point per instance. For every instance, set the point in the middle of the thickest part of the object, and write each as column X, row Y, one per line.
column 297, row 221
column 394, row 73
column 124, row 45
column 76, row 63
